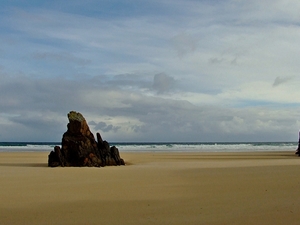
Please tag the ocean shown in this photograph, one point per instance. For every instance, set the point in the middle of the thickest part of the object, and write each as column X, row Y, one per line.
column 162, row 147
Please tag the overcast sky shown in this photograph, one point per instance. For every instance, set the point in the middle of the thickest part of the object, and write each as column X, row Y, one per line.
column 159, row 70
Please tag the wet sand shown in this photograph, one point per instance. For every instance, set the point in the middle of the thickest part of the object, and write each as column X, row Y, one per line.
column 153, row 188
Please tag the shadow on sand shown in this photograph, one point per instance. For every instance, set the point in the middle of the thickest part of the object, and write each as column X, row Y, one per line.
column 23, row 164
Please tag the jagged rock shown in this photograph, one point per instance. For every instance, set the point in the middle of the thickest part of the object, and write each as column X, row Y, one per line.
column 79, row 147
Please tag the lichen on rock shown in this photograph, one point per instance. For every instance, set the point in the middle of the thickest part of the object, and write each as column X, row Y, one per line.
column 75, row 116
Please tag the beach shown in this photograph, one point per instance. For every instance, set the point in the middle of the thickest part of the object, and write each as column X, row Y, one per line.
column 153, row 188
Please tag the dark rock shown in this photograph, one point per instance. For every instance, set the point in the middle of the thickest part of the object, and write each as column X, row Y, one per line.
column 55, row 157
column 79, row 147
column 114, row 152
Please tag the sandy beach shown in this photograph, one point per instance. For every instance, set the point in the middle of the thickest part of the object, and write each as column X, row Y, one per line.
column 153, row 188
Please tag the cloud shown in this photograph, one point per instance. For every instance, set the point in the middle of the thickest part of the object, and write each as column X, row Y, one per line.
column 61, row 57
column 163, row 83
column 118, row 68
column 216, row 60
column 278, row 81
column 104, row 127
column 184, row 44
column 134, row 81
column 32, row 125
column 124, row 115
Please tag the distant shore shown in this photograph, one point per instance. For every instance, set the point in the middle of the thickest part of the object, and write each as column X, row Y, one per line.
column 153, row 188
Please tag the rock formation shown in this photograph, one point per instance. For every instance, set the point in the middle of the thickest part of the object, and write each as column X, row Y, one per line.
column 79, row 147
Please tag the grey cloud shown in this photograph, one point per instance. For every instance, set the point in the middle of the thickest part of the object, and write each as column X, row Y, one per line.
column 61, row 57
column 234, row 61
column 40, row 114
column 40, row 120
column 169, row 120
column 104, row 127
column 29, row 94
column 139, row 82
column 33, row 126
column 216, row 60
column 184, row 44
column 131, row 81
column 140, row 44
column 278, row 81
column 163, row 83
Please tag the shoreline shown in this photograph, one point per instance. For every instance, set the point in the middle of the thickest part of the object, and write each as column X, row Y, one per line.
column 167, row 146
column 153, row 188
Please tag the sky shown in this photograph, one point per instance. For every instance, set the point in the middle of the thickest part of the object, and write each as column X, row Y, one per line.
column 151, row 71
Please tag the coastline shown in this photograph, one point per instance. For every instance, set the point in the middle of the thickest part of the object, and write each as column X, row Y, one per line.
column 153, row 188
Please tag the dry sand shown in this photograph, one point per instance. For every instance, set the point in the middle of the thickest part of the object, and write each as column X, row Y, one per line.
column 154, row 188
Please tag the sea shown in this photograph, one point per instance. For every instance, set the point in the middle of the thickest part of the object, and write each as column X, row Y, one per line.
column 162, row 147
